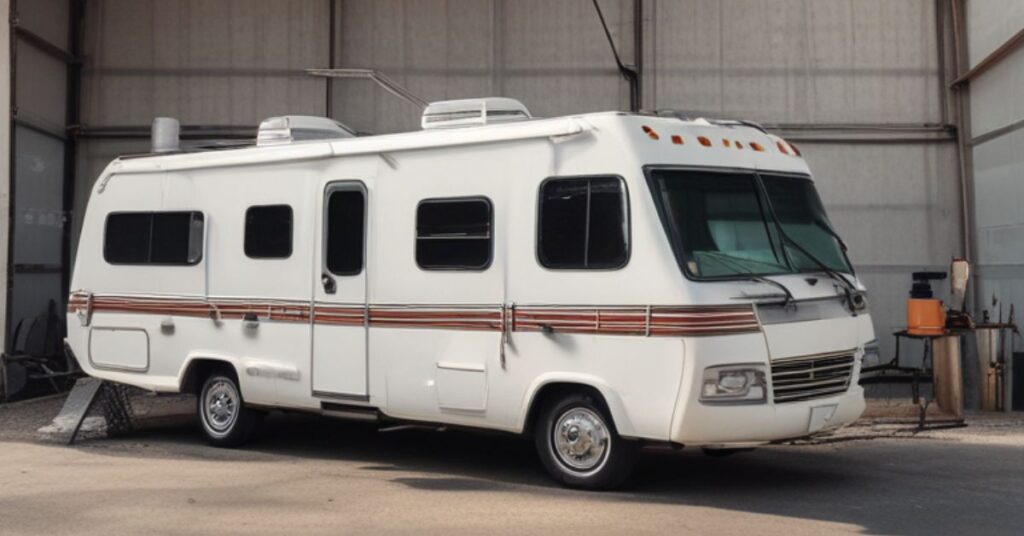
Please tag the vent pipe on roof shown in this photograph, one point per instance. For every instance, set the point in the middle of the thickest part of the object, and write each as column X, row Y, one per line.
column 165, row 135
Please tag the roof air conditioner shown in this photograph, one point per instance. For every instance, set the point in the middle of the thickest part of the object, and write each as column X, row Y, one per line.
column 473, row 112
column 291, row 128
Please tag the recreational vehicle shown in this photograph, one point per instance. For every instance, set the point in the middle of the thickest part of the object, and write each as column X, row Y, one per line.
column 598, row 282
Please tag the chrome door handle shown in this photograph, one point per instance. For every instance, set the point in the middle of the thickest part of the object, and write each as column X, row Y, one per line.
column 330, row 286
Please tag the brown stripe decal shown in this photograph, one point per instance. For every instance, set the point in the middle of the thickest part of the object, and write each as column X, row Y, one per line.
column 653, row 321
column 455, row 317
column 658, row 320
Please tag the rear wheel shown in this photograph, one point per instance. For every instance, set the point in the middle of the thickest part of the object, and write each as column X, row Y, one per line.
column 577, row 443
column 225, row 419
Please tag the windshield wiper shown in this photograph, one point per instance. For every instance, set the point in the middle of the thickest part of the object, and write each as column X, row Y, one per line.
column 733, row 263
column 832, row 232
column 854, row 299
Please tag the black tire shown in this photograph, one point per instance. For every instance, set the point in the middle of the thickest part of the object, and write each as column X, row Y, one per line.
column 576, row 412
column 225, row 420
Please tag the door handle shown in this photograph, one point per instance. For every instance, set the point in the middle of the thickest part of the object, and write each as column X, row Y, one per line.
column 330, row 286
column 250, row 321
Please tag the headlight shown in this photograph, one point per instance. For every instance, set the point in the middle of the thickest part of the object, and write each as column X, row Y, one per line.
column 872, row 356
column 734, row 383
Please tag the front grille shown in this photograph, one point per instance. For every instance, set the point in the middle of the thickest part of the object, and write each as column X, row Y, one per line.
column 813, row 376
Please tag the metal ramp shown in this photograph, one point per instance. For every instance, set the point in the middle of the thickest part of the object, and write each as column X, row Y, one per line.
column 109, row 399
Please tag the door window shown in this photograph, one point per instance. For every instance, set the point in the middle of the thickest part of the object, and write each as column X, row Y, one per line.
column 345, row 231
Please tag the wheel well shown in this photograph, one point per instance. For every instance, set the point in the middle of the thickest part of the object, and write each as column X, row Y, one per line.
column 553, row 391
column 200, row 369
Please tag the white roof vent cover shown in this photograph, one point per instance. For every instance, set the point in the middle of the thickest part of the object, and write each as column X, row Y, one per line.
column 292, row 128
column 473, row 112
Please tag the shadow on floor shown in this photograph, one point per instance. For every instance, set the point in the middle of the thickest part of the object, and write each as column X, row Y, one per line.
column 886, row 486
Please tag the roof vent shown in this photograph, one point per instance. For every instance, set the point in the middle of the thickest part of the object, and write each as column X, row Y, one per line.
column 473, row 112
column 291, row 128
column 164, row 133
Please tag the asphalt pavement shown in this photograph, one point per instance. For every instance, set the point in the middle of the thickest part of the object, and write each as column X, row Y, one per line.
column 309, row 475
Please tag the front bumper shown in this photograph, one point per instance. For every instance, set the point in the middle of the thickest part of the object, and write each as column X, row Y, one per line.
column 737, row 425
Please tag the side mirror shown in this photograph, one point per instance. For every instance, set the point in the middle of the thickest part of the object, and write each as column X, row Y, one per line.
column 959, row 275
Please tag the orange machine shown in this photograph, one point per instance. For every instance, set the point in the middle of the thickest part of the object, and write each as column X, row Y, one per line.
column 925, row 314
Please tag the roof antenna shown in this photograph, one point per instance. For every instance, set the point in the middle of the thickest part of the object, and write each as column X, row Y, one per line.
column 630, row 72
column 377, row 77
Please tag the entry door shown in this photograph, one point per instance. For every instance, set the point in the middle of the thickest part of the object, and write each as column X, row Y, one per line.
column 339, row 328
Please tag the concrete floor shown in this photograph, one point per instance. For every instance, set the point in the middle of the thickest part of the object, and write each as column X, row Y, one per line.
column 307, row 475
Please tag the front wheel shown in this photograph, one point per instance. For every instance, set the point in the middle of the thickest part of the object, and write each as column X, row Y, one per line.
column 577, row 443
column 225, row 419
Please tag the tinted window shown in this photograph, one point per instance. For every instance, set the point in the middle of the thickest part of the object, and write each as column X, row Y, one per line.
column 718, row 222
column 172, row 238
column 802, row 216
column 268, row 232
column 453, row 234
column 583, row 223
column 345, row 232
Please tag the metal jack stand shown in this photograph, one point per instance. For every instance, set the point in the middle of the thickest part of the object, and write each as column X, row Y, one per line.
column 895, row 372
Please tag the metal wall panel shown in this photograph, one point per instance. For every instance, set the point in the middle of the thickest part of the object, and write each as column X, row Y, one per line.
column 799, row 61
column 40, row 87
column 553, row 56
column 232, row 62
column 38, row 205
column 46, row 18
column 999, row 196
column 997, row 111
column 996, row 95
column 894, row 204
column 5, row 168
column 991, row 23
column 38, row 197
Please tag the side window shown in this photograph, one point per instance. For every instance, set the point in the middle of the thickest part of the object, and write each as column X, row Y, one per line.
column 168, row 238
column 583, row 223
column 268, row 232
column 345, row 231
column 454, row 234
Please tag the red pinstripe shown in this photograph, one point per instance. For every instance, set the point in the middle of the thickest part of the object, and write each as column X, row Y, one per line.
column 658, row 320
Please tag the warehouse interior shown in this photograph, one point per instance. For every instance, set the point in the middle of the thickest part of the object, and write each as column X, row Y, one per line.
column 907, row 111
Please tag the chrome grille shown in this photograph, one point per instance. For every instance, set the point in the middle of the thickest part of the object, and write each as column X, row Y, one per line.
column 814, row 376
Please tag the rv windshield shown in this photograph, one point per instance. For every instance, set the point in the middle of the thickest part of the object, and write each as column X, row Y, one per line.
column 722, row 226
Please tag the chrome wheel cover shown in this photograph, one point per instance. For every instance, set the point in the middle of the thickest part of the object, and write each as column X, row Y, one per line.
column 220, row 407
column 581, row 440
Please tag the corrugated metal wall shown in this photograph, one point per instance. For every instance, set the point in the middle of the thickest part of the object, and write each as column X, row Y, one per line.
column 997, row 129
column 5, row 168
column 39, row 60
column 860, row 84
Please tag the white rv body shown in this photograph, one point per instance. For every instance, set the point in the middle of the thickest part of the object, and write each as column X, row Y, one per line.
column 461, row 347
